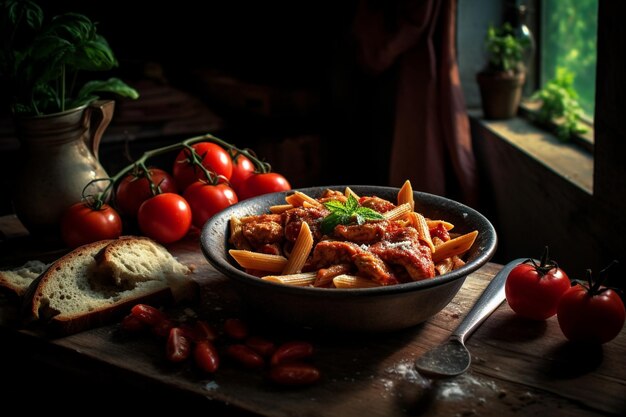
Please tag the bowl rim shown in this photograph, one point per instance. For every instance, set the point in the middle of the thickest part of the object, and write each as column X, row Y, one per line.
column 220, row 261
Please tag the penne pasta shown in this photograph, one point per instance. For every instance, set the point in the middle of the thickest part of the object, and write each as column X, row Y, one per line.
column 299, row 280
column 398, row 212
column 300, row 252
column 297, row 199
column 349, row 193
column 419, row 222
column 281, row 208
column 405, row 195
column 432, row 224
column 260, row 261
column 353, row 281
column 456, row 246
column 444, row 266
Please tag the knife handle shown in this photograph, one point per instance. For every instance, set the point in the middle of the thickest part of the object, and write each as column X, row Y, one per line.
column 489, row 300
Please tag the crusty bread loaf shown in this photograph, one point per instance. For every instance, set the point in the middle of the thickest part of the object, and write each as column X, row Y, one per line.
column 17, row 280
column 98, row 282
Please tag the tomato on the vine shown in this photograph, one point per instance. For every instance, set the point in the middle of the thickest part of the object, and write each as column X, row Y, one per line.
column 165, row 217
column 264, row 183
column 213, row 157
column 533, row 290
column 82, row 223
column 242, row 169
column 206, row 199
column 591, row 313
column 135, row 188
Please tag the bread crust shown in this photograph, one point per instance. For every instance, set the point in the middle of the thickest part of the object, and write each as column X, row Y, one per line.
column 81, row 267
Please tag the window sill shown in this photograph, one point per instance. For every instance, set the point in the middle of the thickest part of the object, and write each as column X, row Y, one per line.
column 566, row 160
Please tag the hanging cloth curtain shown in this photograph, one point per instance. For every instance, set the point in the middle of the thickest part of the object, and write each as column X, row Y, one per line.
column 431, row 139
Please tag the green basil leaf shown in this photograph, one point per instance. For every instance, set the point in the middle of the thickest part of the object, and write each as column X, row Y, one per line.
column 352, row 204
column 334, row 205
column 369, row 214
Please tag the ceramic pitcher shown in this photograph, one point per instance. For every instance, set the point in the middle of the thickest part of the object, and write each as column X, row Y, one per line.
column 60, row 157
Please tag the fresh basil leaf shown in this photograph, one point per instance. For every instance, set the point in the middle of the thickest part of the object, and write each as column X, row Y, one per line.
column 329, row 222
column 112, row 85
column 334, row 205
column 369, row 214
column 351, row 204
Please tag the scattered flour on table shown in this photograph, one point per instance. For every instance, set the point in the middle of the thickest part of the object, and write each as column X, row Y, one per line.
column 453, row 389
column 211, row 386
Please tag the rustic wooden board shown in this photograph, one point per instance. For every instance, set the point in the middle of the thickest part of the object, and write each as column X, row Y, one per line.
column 519, row 367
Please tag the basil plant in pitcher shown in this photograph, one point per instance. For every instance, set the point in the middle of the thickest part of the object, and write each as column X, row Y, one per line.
column 40, row 60
column 59, row 118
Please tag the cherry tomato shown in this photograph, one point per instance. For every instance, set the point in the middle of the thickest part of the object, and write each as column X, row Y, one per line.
column 261, row 345
column 148, row 314
column 213, row 157
column 205, row 200
column 242, row 169
column 533, row 291
column 206, row 357
column 245, row 356
column 294, row 373
column 134, row 189
column 236, row 328
column 131, row 323
column 591, row 314
column 257, row 184
column 290, row 351
column 178, row 346
column 165, row 217
column 82, row 224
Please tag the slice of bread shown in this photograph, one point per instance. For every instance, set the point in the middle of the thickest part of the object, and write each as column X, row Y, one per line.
column 99, row 282
column 17, row 280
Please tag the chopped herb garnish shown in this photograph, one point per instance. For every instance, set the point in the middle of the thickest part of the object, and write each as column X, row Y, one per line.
column 348, row 213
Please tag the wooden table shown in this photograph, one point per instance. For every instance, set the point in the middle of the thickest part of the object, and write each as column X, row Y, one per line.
column 519, row 367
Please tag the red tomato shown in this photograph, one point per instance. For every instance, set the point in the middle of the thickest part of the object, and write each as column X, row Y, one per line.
column 147, row 314
column 165, row 217
column 258, row 184
column 81, row 224
column 236, row 328
column 205, row 200
column 133, row 190
column 213, row 157
column 533, row 291
column 245, row 356
column 290, row 351
column 242, row 169
column 591, row 315
column 206, row 357
column 178, row 347
column 294, row 373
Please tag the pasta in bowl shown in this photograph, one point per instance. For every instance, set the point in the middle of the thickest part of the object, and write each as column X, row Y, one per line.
column 358, row 258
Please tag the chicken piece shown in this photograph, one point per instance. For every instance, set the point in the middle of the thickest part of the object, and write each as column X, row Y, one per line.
column 262, row 230
column 377, row 204
column 403, row 247
column 373, row 267
column 332, row 252
column 293, row 221
column 368, row 233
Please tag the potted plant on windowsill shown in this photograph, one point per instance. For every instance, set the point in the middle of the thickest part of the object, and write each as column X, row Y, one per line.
column 502, row 80
column 41, row 64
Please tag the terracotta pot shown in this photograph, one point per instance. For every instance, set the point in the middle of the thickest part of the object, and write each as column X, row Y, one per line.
column 500, row 93
column 60, row 154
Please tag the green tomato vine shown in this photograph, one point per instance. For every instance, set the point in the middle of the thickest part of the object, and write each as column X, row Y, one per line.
column 95, row 201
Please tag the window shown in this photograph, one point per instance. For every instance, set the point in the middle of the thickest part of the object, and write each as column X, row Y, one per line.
column 568, row 40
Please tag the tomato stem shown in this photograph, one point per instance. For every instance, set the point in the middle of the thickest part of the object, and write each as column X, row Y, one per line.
column 545, row 264
column 97, row 200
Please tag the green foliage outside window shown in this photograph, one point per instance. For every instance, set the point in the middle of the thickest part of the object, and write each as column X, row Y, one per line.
column 559, row 105
column 568, row 40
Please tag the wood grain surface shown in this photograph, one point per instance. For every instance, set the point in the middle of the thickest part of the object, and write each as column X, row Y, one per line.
column 519, row 367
